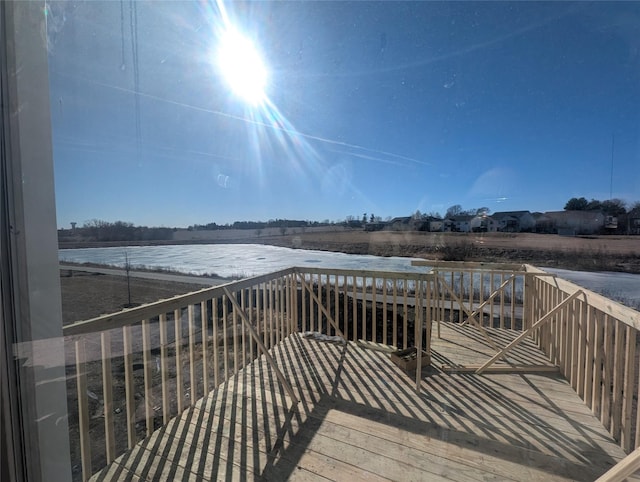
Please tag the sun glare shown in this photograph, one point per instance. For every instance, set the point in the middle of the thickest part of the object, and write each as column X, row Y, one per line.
column 241, row 67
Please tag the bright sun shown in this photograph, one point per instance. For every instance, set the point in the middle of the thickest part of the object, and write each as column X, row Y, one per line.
column 241, row 66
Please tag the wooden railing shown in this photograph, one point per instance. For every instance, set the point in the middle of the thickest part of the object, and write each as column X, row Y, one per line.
column 138, row 368
column 593, row 340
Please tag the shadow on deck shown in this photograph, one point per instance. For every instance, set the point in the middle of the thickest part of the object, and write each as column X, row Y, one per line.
column 359, row 417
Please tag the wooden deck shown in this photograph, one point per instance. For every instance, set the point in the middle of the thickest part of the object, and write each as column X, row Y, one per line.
column 361, row 418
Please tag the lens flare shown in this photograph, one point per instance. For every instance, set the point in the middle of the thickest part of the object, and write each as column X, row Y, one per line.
column 242, row 67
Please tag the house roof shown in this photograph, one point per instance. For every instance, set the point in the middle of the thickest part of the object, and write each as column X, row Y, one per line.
column 577, row 215
column 513, row 214
column 403, row 219
column 462, row 218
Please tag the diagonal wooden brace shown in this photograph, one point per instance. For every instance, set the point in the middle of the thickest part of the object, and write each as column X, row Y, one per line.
column 322, row 308
column 469, row 314
column 488, row 300
column 271, row 362
column 525, row 333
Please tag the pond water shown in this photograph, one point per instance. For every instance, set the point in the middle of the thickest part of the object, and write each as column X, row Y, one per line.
column 243, row 260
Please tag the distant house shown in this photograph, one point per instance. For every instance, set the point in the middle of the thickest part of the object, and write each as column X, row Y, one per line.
column 376, row 226
column 436, row 224
column 480, row 223
column 462, row 223
column 400, row 224
column 571, row 223
column 633, row 221
column 544, row 224
column 513, row 221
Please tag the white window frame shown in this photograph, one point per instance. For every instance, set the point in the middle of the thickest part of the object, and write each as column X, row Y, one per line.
column 33, row 406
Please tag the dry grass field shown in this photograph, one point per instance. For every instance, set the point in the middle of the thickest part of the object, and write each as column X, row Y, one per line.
column 596, row 253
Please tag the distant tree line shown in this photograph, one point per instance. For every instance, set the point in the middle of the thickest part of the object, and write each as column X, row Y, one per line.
column 271, row 223
column 98, row 230
column 611, row 207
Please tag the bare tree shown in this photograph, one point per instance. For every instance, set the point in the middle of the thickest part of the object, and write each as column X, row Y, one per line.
column 454, row 210
column 127, row 268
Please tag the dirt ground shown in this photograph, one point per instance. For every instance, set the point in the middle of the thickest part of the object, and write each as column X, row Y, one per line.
column 87, row 295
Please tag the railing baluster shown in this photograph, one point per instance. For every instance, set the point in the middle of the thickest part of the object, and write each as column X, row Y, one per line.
column 225, row 336
column 147, row 375
column 253, row 323
column 177, row 322
column 312, row 313
column 363, row 322
column 266, row 333
column 204, row 323
column 330, row 330
column 405, row 313
column 374, row 309
column 599, row 366
column 130, row 401
column 575, row 343
column 193, row 387
column 471, row 295
column 618, row 379
column 513, row 293
column 234, row 332
column 354, row 310
column 629, row 380
column 395, row 312
column 216, row 343
column 275, row 300
column 607, row 379
column 283, row 308
column 272, row 334
column 270, row 308
column 336, row 304
column 243, row 307
column 492, row 283
column 318, row 311
column 582, row 346
column 259, row 320
column 83, row 408
column 502, row 310
column 305, row 296
column 345, row 307
column 590, row 366
column 482, row 294
column 164, row 368
column 570, row 345
column 385, row 308
column 107, row 395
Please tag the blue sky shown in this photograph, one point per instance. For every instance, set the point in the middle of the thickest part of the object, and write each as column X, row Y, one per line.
column 382, row 108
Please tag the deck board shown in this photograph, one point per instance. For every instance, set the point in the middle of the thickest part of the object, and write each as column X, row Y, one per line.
column 360, row 418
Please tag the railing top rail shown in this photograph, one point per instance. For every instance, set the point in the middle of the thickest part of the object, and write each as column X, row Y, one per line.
column 149, row 310
column 469, row 265
column 607, row 306
column 363, row 273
